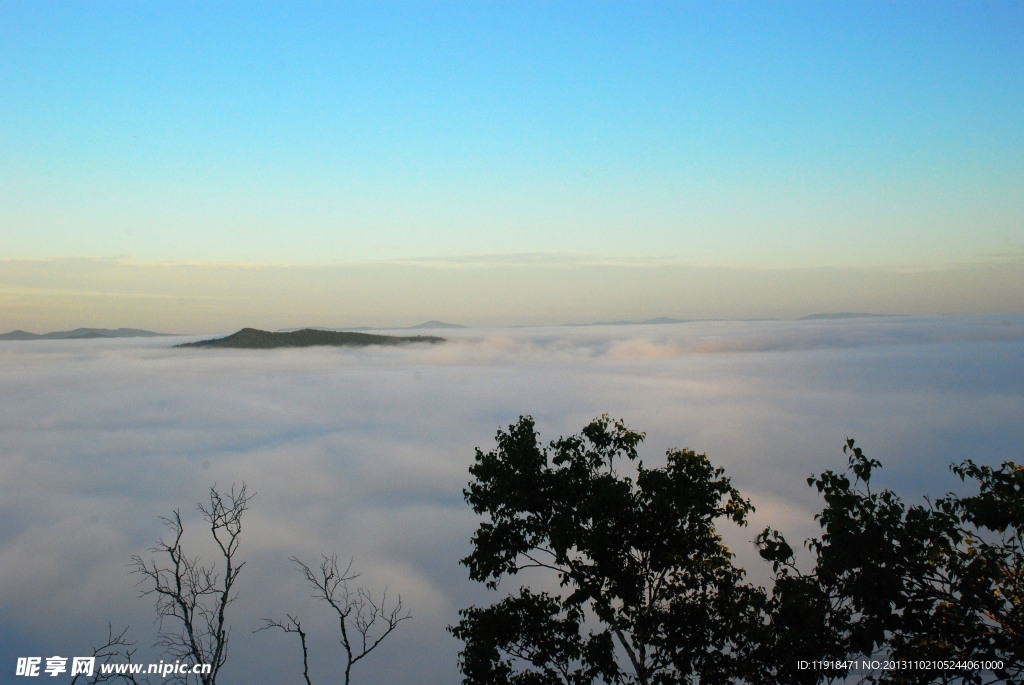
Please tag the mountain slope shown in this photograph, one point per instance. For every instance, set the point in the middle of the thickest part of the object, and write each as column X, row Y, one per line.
column 81, row 334
column 252, row 338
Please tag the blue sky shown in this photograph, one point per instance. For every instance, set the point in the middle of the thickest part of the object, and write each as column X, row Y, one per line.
column 737, row 136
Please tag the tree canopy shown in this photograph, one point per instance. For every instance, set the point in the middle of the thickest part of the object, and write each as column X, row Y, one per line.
column 938, row 582
column 648, row 592
column 631, row 582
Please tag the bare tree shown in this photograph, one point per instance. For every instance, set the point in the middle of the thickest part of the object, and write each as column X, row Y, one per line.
column 364, row 623
column 117, row 646
column 292, row 626
column 193, row 598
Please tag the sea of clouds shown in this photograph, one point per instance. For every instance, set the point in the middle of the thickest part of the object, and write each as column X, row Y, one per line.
column 364, row 453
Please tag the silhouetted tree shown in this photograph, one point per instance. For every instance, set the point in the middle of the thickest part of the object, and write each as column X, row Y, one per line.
column 116, row 649
column 650, row 592
column 192, row 598
column 362, row 621
column 940, row 581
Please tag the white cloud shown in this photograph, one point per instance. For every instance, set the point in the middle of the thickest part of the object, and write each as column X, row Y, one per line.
column 365, row 452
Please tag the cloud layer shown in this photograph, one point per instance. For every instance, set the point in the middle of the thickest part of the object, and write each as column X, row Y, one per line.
column 364, row 453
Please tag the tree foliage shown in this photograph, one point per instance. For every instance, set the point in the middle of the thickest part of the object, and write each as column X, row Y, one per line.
column 942, row 580
column 648, row 592
column 639, row 587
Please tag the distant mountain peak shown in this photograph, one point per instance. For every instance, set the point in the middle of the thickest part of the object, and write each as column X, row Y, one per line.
column 839, row 315
column 82, row 334
column 661, row 320
column 436, row 324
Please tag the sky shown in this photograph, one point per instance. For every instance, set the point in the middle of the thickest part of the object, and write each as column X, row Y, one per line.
column 364, row 453
column 191, row 167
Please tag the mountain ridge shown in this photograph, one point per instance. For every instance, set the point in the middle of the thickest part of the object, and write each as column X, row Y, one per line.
column 255, row 339
column 83, row 334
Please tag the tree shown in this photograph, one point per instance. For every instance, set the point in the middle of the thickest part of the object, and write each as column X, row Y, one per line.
column 191, row 597
column 942, row 580
column 363, row 621
column 648, row 593
column 642, row 570
column 117, row 648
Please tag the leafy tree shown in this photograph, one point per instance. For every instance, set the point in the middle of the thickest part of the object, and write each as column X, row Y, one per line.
column 942, row 580
column 649, row 593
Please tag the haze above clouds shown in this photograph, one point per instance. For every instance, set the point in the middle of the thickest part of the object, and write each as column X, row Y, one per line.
column 364, row 453
column 202, row 298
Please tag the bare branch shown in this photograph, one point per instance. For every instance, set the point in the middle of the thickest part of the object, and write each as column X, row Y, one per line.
column 192, row 598
column 362, row 621
column 292, row 626
column 116, row 647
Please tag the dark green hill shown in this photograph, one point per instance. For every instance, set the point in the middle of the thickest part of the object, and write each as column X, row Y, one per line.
column 251, row 338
